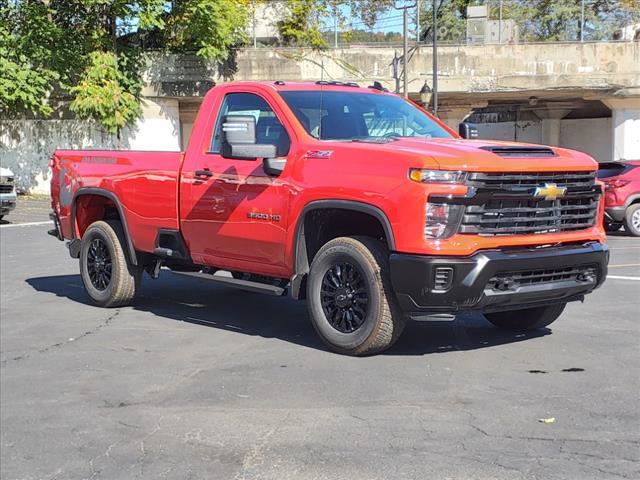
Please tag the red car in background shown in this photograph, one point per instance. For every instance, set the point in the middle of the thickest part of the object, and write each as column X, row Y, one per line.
column 622, row 195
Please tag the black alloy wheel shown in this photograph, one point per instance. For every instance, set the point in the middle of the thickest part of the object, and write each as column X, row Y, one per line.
column 350, row 297
column 99, row 264
column 344, row 297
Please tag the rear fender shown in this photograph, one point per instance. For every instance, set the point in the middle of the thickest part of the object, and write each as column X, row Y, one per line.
column 94, row 212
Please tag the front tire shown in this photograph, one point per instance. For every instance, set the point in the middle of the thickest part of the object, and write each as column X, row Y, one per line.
column 527, row 319
column 107, row 274
column 632, row 220
column 349, row 297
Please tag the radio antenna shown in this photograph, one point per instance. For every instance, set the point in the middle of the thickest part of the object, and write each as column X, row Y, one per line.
column 321, row 94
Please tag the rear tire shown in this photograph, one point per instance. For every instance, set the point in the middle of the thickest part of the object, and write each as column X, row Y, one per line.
column 527, row 319
column 632, row 220
column 349, row 297
column 107, row 274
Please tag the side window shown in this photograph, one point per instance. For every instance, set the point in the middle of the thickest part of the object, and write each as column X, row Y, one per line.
column 268, row 128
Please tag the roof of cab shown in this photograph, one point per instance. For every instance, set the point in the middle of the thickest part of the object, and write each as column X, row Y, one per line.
column 282, row 85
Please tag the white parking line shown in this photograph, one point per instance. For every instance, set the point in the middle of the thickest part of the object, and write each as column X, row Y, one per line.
column 618, row 277
column 29, row 224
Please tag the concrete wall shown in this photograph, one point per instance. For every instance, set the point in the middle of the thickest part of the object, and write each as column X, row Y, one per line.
column 590, row 135
column 463, row 68
column 526, row 131
column 27, row 145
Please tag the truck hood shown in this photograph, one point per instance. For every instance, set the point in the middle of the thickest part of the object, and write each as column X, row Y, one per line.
column 477, row 155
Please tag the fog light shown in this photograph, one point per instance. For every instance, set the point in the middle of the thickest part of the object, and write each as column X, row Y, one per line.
column 588, row 275
column 441, row 219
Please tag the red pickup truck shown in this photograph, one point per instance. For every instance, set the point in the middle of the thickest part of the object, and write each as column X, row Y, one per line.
column 352, row 198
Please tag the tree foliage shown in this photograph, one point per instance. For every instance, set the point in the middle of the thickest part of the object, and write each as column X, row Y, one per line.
column 91, row 50
column 213, row 27
column 303, row 20
column 105, row 93
column 538, row 20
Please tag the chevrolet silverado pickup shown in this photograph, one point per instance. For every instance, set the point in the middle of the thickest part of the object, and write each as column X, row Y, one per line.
column 353, row 199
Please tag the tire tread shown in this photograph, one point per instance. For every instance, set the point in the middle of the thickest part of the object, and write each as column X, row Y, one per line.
column 391, row 319
column 127, row 277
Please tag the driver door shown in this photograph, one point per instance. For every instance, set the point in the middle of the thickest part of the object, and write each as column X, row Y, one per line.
column 236, row 214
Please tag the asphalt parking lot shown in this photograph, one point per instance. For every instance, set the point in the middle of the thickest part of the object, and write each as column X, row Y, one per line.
column 202, row 381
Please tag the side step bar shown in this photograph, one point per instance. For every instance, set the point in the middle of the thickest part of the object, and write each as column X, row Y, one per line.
column 241, row 284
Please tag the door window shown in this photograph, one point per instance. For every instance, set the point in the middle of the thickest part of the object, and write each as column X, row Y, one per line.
column 269, row 130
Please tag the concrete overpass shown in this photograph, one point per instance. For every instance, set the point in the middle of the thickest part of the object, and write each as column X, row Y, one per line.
column 578, row 95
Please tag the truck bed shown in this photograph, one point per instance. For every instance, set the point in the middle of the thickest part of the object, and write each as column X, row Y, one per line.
column 143, row 183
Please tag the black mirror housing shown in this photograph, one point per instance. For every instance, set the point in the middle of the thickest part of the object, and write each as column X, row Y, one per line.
column 468, row 130
column 239, row 139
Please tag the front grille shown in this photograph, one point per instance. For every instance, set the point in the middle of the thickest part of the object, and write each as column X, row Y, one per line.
column 6, row 188
column 505, row 203
column 506, row 281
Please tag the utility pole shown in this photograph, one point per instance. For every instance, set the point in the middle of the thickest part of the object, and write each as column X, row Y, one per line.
column 335, row 27
column 435, row 57
column 255, row 40
column 405, row 52
column 418, row 31
column 500, row 22
column 405, row 44
column 582, row 20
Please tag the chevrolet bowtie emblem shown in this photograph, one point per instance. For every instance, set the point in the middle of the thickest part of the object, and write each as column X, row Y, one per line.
column 550, row 191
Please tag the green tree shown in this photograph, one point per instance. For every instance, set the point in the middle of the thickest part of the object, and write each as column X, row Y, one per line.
column 105, row 93
column 213, row 27
column 304, row 20
column 93, row 51
column 301, row 25
column 538, row 20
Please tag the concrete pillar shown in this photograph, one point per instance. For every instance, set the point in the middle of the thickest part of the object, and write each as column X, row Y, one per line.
column 551, row 117
column 625, row 128
column 159, row 127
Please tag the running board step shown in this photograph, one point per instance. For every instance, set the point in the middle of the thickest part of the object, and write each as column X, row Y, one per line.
column 237, row 283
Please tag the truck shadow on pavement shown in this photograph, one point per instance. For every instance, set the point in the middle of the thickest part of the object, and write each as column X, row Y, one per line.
column 201, row 303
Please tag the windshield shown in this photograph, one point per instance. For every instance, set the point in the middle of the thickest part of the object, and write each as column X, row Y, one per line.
column 360, row 116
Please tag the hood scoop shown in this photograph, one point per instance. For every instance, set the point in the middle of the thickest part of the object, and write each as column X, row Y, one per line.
column 520, row 151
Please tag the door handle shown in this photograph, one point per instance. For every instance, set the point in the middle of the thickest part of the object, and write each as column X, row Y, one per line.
column 204, row 173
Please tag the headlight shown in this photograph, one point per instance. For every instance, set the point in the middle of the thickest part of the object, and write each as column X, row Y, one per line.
column 437, row 176
column 441, row 219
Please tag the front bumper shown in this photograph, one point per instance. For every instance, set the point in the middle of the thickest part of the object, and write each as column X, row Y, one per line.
column 418, row 279
column 616, row 214
column 7, row 202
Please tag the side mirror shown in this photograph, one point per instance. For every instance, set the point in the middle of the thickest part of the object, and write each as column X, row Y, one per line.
column 273, row 166
column 468, row 130
column 239, row 139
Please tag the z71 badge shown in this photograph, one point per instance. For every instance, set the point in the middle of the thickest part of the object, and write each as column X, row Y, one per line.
column 263, row 216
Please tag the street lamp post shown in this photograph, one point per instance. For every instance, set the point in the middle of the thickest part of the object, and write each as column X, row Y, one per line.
column 425, row 95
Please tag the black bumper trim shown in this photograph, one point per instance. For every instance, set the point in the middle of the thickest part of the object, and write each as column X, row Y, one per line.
column 412, row 278
column 615, row 213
